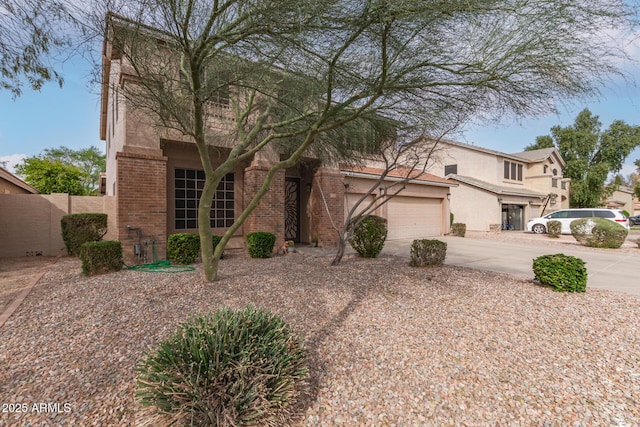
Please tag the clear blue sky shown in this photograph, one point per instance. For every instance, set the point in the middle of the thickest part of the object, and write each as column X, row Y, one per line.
column 52, row 117
column 70, row 116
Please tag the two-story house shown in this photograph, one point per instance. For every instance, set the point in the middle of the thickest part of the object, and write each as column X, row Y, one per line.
column 622, row 198
column 500, row 191
column 157, row 179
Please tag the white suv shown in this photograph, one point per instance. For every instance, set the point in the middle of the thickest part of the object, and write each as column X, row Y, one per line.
column 566, row 216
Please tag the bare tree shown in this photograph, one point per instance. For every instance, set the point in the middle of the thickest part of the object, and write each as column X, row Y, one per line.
column 299, row 74
column 399, row 162
column 29, row 37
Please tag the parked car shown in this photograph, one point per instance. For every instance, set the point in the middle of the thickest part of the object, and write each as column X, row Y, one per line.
column 634, row 220
column 566, row 217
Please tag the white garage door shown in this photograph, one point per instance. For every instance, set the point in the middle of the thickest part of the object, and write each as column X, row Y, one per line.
column 414, row 218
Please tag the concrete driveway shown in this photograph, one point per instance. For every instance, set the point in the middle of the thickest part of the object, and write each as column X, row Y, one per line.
column 513, row 253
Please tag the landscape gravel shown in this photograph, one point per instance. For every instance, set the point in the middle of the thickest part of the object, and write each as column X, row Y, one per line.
column 388, row 345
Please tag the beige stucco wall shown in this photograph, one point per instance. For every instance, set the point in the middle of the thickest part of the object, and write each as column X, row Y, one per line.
column 482, row 166
column 476, row 208
column 30, row 223
column 624, row 197
column 482, row 210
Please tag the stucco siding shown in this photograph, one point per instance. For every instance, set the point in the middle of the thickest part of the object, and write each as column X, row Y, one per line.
column 476, row 208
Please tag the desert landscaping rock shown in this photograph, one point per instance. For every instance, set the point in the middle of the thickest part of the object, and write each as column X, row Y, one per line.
column 388, row 344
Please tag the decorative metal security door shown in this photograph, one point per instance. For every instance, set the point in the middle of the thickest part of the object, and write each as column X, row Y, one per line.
column 292, row 209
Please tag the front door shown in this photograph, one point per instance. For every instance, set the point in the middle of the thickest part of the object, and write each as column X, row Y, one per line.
column 292, row 209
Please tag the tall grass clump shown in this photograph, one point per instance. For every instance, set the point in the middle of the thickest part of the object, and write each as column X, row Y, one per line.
column 226, row 368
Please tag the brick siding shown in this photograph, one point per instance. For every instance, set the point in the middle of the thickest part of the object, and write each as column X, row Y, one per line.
column 142, row 203
column 327, row 210
column 269, row 214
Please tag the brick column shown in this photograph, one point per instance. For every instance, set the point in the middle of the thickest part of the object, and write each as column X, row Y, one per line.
column 142, row 203
column 269, row 214
column 328, row 210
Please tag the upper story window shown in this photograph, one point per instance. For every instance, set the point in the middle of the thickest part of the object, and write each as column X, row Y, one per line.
column 554, row 182
column 512, row 171
column 450, row 169
column 563, row 185
column 546, row 169
column 188, row 189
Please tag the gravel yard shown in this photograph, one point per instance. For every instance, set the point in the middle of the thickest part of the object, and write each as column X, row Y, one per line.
column 388, row 344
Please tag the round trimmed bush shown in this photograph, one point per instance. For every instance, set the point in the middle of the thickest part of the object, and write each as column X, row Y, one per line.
column 81, row 228
column 458, row 229
column 230, row 367
column 564, row 273
column 554, row 228
column 183, row 248
column 427, row 252
column 598, row 232
column 260, row 244
column 369, row 236
column 101, row 257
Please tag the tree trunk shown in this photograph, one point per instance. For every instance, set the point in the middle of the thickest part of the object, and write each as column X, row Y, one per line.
column 342, row 243
column 204, row 229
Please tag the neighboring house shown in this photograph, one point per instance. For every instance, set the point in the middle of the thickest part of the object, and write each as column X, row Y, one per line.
column 622, row 199
column 157, row 177
column 502, row 191
column 11, row 184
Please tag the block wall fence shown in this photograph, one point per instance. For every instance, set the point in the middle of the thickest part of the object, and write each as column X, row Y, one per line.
column 30, row 223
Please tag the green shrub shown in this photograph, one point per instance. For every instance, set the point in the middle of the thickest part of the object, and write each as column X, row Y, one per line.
column 458, row 229
column 230, row 367
column 598, row 232
column 78, row 229
column 260, row 244
column 369, row 236
column 101, row 257
column 427, row 252
column 183, row 248
column 563, row 272
column 554, row 228
column 581, row 228
column 607, row 234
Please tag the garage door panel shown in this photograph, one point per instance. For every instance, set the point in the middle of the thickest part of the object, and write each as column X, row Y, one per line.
column 351, row 200
column 414, row 218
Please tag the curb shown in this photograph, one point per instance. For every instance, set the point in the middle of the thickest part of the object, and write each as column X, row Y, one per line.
column 16, row 303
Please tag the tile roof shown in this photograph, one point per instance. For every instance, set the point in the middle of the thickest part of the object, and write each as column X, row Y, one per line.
column 400, row 172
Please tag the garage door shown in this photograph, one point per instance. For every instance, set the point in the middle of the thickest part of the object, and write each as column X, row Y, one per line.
column 352, row 198
column 414, row 218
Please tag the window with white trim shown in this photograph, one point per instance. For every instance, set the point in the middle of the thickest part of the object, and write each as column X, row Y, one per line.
column 188, row 185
